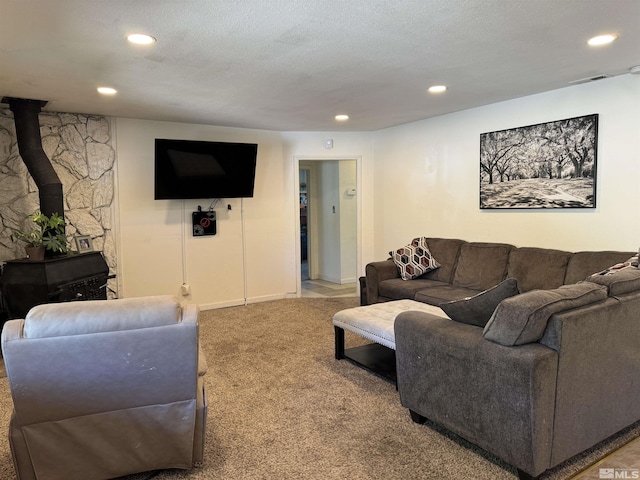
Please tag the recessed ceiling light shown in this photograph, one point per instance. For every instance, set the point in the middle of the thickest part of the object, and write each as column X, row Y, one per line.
column 141, row 39
column 107, row 90
column 342, row 118
column 437, row 89
column 602, row 39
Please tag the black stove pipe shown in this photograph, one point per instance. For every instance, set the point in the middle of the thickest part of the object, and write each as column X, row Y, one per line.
column 25, row 116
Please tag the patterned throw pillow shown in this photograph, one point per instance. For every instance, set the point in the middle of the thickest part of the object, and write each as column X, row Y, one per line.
column 414, row 259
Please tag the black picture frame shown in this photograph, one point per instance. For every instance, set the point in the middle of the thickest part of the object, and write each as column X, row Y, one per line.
column 546, row 165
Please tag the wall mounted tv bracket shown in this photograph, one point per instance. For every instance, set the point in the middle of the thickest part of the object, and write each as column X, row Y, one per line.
column 204, row 223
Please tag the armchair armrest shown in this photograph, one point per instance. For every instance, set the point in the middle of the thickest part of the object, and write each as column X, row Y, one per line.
column 190, row 314
column 376, row 272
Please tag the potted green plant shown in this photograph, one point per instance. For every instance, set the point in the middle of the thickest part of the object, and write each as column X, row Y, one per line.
column 49, row 235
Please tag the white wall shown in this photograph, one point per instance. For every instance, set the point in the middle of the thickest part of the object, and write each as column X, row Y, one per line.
column 313, row 196
column 245, row 260
column 337, row 221
column 427, row 174
column 153, row 259
column 329, row 221
column 348, row 221
column 415, row 179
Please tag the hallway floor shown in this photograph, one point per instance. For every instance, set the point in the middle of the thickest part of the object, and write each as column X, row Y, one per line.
column 322, row 288
column 622, row 463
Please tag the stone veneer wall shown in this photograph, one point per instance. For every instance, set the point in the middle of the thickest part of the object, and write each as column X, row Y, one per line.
column 80, row 149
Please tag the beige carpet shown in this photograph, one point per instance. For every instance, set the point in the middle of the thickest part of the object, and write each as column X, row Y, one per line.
column 281, row 407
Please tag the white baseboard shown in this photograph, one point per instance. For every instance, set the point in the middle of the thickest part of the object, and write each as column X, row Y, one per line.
column 242, row 301
column 328, row 278
column 339, row 281
column 267, row 298
column 229, row 303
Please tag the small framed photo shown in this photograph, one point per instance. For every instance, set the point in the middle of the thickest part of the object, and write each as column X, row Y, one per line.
column 83, row 242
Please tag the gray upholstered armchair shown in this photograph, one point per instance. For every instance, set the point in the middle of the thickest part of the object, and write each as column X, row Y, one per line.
column 105, row 388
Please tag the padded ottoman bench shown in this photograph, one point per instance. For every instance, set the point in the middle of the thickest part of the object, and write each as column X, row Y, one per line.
column 375, row 323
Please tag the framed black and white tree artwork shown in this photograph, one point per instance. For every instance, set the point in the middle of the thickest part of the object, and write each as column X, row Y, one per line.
column 548, row 165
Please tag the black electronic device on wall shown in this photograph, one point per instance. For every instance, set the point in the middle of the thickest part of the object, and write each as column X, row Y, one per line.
column 204, row 223
column 188, row 169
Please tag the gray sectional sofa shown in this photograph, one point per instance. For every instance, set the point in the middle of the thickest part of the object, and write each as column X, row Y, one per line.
column 468, row 268
column 554, row 367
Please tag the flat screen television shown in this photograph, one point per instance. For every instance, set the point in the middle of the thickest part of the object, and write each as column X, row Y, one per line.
column 196, row 169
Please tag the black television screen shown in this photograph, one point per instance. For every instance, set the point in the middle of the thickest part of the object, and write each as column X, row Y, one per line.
column 197, row 169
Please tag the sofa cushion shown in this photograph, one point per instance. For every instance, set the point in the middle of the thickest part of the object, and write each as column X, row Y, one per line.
column 583, row 264
column 523, row 318
column 481, row 265
column 477, row 310
column 446, row 250
column 397, row 288
column 624, row 280
column 439, row 294
column 414, row 260
column 538, row 268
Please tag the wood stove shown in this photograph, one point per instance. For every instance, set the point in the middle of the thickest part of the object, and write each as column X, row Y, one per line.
column 26, row 283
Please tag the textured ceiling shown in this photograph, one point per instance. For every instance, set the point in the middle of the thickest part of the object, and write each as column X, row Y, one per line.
column 293, row 65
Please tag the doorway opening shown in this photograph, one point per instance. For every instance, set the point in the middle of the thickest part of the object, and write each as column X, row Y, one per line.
column 328, row 209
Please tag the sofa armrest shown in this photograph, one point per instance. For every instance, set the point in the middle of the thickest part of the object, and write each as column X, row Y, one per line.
column 598, row 368
column 376, row 272
column 499, row 398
